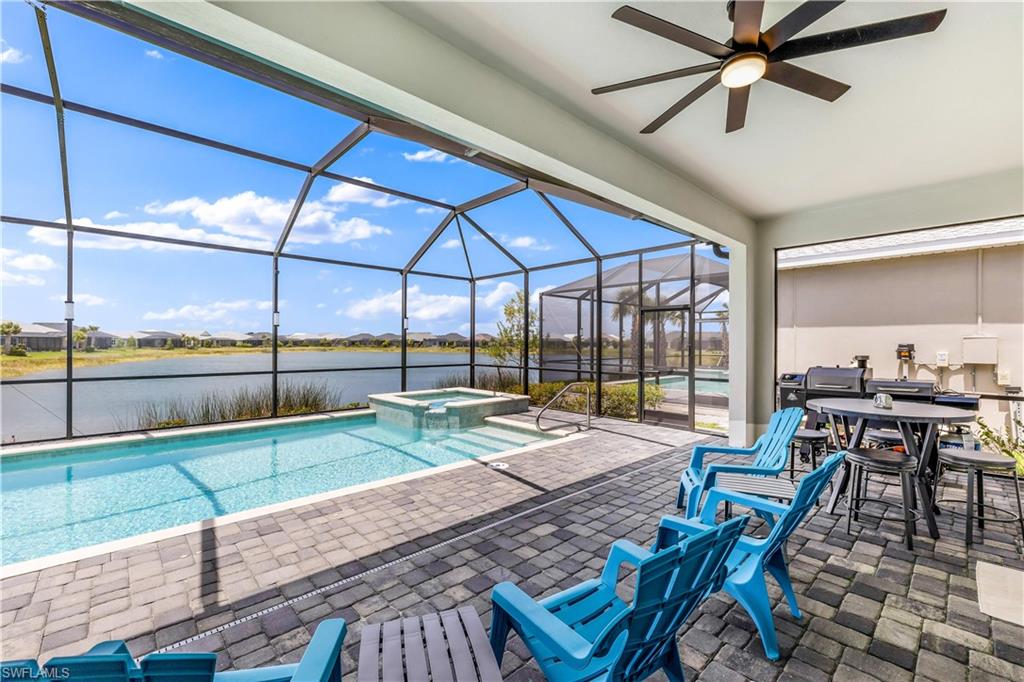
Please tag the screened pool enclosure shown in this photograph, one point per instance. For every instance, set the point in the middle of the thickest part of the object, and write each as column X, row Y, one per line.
column 190, row 237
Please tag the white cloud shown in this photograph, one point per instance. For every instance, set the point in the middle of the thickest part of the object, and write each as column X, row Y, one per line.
column 9, row 259
column 321, row 305
column 220, row 311
column 428, row 210
column 30, row 261
column 82, row 298
column 526, row 242
column 451, row 244
column 501, row 294
column 10, row 54
column 51, row 237
column 89, row 299
column 426, row 156
column 13, row 279
column 421, row 306
column 245, row 214
column 114, row 215
column 535, row 293
column 154, row 54
column 248, row 215
column 344, row 193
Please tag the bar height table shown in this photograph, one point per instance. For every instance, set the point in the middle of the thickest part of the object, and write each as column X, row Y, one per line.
column 909, row 419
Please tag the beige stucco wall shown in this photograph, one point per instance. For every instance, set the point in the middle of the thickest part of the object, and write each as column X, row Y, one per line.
column 997, row 195
column 828, row 314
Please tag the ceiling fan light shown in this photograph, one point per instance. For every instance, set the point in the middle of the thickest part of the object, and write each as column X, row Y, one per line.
column 743, row 69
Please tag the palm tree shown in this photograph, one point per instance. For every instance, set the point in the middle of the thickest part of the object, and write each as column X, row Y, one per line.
column 723, row 315
column 89, row 329
column 9, row 329
column 628, row 299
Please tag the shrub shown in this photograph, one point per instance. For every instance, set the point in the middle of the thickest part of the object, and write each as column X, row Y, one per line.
column 1006, row 443
column 18, row 350
column 617, row 400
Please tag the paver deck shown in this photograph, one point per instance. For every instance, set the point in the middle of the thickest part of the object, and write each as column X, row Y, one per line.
column 254, row 591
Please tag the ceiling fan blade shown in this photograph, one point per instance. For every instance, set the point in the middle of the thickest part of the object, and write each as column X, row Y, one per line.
column 658, row 78
column 807, row 82
column 746, row 22
column 666, row 29
column 797, row 20
column 736, row 115
column 859, row 35
column 673, row 110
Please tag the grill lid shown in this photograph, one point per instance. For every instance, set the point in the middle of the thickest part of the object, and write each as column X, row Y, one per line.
column 842, row 380
column 902, row 389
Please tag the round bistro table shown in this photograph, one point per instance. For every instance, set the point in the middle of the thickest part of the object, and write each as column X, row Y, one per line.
column 910, row 419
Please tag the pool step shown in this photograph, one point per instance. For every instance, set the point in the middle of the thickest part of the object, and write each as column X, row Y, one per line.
column 496, row 438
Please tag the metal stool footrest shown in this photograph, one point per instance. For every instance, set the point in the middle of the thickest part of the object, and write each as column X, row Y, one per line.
column 858, row 509
column 1007, row 516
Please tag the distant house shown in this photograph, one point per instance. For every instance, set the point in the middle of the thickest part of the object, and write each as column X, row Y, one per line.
column 302, row 339
column 39, row 336
column 156, row 338
column 233, row 339
column 419, row 338
column 449, row 339
column 388, row 338
column 334, row 338
column 102, row 340
column 362, row 339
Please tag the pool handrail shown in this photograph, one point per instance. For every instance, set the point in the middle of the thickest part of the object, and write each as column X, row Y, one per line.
column 558, row 395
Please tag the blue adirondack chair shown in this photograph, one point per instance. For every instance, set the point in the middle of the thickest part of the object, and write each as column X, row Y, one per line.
column 111, row 662
column 589, row 633
column 753, row 557
column 770, row 452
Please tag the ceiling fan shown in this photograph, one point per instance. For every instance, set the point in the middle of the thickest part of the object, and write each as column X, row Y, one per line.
column 752, row 54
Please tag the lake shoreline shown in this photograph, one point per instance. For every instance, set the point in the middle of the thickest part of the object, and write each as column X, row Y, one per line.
column 12, row 367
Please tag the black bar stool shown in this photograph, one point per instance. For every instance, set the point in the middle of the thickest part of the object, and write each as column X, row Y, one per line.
column 975, row 463
column 863, row 461
column 816, row 441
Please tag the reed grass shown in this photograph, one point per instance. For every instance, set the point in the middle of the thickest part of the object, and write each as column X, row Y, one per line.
column 294, row 397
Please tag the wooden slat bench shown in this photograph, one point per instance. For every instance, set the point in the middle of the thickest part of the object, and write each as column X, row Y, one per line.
column 450, row 646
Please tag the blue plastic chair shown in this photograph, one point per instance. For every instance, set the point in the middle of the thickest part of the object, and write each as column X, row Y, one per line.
column 752, row 557
column 770, row 452
column 588, row 633
column 112, row 662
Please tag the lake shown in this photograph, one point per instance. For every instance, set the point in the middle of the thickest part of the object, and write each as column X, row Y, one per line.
column 34, row 412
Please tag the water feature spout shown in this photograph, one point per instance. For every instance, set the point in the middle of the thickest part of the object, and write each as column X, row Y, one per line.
column 435, row 420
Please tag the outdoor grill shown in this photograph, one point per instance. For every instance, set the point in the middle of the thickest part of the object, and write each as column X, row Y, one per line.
column 903, row 390
column 836, row 382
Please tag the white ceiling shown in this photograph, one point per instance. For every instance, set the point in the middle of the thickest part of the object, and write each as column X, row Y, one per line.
column 921, row 110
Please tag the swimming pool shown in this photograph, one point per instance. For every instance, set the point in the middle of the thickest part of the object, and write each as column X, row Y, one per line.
column 704, row 385
column 73, row 498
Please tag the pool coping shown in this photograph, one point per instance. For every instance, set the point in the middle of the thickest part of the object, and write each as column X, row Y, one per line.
column 564, row 435
column 183, row 432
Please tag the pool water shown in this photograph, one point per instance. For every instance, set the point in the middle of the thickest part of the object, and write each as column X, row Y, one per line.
column 705, row 386
column 70, row 499
column 442, row 396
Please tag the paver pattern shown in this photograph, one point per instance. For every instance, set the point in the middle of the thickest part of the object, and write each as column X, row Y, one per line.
column 872, row 610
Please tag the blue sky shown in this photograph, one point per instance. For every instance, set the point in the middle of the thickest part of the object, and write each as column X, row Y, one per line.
column 139, row 182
